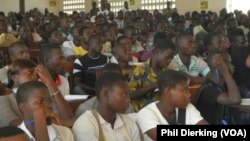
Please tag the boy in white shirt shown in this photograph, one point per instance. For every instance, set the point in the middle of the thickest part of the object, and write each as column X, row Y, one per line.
column 107, row 122
column 173, row 87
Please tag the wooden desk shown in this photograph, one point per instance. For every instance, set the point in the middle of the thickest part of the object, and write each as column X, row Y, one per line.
column 193, row 91
column 75, row 104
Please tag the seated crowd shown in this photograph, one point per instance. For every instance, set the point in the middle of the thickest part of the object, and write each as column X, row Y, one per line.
column 137, row 69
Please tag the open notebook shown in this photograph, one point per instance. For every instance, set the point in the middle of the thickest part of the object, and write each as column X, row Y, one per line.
column 75, row 97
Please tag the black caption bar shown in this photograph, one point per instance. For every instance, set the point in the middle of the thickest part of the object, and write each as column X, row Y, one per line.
column 209, row 132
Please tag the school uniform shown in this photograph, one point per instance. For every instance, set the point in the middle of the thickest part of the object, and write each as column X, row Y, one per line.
column 56, row 133
column 150, row 116
column 9, row 110
column 86, row 128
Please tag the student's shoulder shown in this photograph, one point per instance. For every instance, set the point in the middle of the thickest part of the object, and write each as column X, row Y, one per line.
column 86, row 119
column 149, row 109
column 63, row 132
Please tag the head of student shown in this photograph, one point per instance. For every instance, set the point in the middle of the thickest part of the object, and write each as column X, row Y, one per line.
column 56, row 37
column 173, row 86
column 215, row 42
column 18, row 50
column 163, row 53
column 111, row 67
column 10, row 133
column 113, row 92
column 122, row 53
column 31, row 96
column 21, row 71
column 51, row 56
column 185, row 44
column 95, row 44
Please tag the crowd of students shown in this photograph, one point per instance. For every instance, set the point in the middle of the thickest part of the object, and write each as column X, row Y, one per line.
column 137, row 68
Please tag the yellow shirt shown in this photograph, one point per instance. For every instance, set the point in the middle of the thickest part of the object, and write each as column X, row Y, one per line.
column 143, row 77
column 79, row 51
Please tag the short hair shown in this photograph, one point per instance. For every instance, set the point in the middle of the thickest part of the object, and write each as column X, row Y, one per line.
column 171, row 78
column 158, row 36
column 24, row 91
column 179, row 38
column 46, row 51
column 164, row 44
column 82, row 30
column 234, row 33
column 112, row 67
column 10, row 131
column 108, row 80
column 13, row 47
column 209, row 38
column 120, row 38
column 93, row 38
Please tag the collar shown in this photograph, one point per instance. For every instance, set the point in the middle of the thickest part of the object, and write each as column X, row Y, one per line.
column 113, row 60
column 192, row 62
column 118, row 121
column 51, row 131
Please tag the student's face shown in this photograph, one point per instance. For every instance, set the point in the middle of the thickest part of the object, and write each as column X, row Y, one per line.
column 126, row 43
column 57, row 62
column 25, row 75
column 97, row 45
column 189, row 46
column 25, row 32
column 164, row 58
column 218, row 44
column 87, row 33
column 125, row 54
column 118, row 97
column 21, row 52
column 180, row 95
column 239, row 41
column 39, row 99
column 57, row 37
column 20, row 137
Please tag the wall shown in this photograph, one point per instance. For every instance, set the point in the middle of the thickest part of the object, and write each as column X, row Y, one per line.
column 182, row 5
column 191, row 5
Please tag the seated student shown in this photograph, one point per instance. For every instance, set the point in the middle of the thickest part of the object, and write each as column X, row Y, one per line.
column 186, row 61
column 122, row 56
column 22, row 71
column 175, row 97
column 132, row 34
column 108, row 121
column 212, row 95
column 52, row 58
column 17, row 50
column 93, row 102
column 143, row 82
column 6, row 39
column 10, row 133
column 82, row 48
column 39, row 122
column 84, row 77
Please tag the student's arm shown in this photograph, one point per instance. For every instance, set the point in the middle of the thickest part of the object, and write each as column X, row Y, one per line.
column 41, row 131
column 152, row 133
column 140, row 93
column 233, row 94
column 63, row 107
column 196, row 80
column 202, row 122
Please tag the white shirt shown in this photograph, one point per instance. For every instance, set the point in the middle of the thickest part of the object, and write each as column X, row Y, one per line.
column 69, row 44
column 64, row 87
column 137, row 47
column 56, row 133
column 150, row 116
column 87, row 128
column 4, row 74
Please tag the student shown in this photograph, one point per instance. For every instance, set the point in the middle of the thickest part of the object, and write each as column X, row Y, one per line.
column 10, row 133
column 17, row 50
column 173, row 87
column 122, row 56
column 143, row 82
column 212, row 95
column 186, row 61
column 84, row 78
column 108, row 122
column 6, row 39
column 22, row 71
column 52, row 58
column 39, row 122
column 93, row 102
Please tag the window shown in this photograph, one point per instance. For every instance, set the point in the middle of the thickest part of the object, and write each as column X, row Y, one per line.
column 156, row 4
column 73, row 5
column 116, row 5
column 243, row 5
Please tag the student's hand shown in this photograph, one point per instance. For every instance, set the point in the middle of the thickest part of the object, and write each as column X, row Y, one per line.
column 219, row 63
column 43, row 74
column 248, row 61
column 53, row 117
